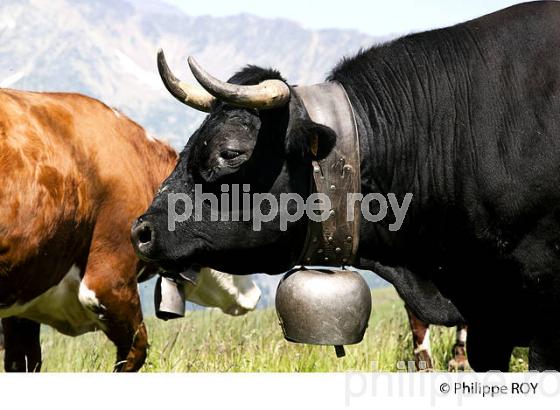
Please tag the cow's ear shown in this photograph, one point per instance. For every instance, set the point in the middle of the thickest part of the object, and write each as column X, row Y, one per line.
column 308, row 140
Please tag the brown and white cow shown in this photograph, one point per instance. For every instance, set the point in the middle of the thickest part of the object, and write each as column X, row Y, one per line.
column 74, row 175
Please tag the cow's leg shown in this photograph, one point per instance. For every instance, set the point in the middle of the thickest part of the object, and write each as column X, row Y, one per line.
column 488, row 349
column 113, row 295
column 459, row 361
column 544, row 349
column 420, row 342
column 22, row 345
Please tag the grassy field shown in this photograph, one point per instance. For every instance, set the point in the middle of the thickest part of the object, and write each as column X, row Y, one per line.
column 209, row 341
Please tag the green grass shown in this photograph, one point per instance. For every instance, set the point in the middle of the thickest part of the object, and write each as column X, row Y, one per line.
column 209, row 341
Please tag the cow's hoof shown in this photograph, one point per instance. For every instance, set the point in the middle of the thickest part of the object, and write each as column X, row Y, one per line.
column 458, row 364
column 423, row 361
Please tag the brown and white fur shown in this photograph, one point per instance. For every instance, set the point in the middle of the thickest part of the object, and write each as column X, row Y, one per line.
column 422, row 348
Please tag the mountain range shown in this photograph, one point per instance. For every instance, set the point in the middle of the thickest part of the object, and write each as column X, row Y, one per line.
column 107, row 49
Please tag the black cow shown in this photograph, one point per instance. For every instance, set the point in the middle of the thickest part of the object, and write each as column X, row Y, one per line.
column 465, row 118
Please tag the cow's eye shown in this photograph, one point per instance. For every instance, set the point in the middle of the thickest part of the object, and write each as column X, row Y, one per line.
column 230, row 154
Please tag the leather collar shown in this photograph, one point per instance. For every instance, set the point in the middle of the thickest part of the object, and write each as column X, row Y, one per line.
column 333, row 242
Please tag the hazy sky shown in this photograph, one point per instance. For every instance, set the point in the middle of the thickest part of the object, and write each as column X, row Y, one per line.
column 375, row 17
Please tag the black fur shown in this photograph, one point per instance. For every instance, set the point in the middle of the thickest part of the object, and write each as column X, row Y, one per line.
column 300, row 140
column 253, row 75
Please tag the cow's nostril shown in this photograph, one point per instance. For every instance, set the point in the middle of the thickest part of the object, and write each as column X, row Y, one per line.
column 145, row 234
column 143, row 237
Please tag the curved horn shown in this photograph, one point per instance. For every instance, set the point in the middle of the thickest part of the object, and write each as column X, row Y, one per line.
column 192, row 96
column 268, row 94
